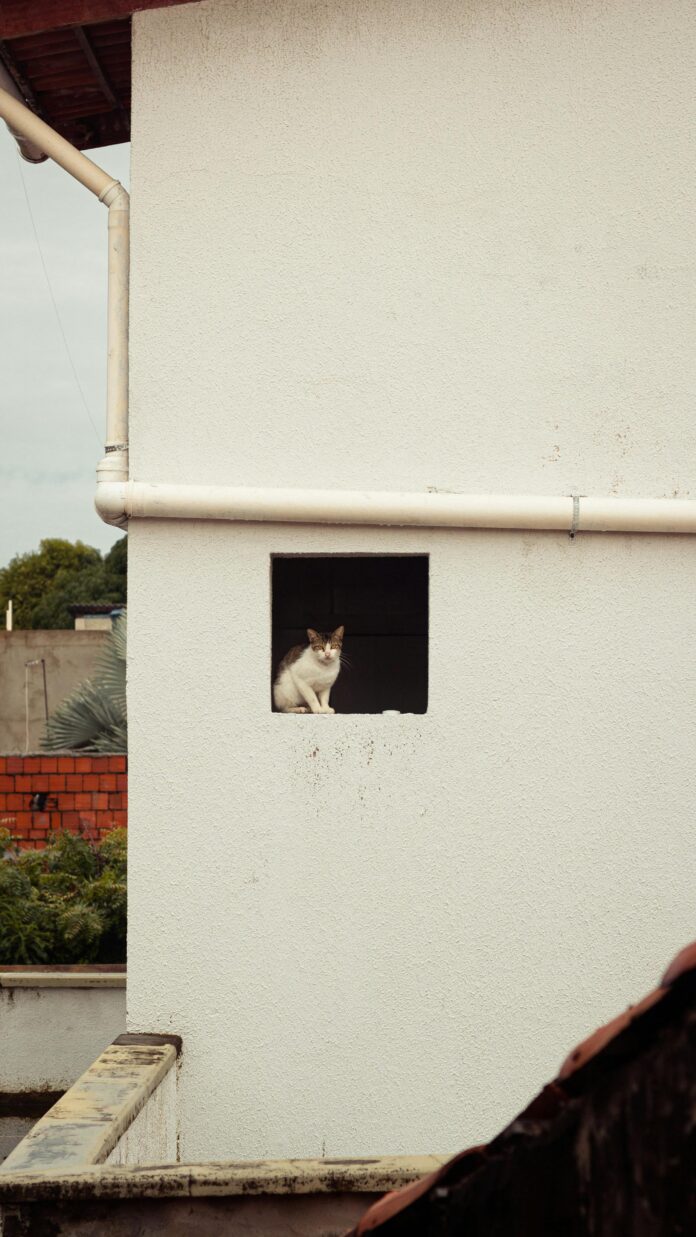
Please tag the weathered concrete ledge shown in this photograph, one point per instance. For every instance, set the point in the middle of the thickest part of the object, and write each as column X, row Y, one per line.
column 88, row 1121
column 65, row 1174
column 62, row 979
column 234, row 1178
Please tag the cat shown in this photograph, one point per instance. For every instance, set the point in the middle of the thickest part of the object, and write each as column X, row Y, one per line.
column 308, row 672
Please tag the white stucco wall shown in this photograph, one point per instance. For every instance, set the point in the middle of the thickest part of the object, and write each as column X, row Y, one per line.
column 381, row 243
column 152, row 1137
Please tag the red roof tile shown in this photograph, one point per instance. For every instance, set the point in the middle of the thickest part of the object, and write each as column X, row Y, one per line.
column 599, row 1039
column 684, row 961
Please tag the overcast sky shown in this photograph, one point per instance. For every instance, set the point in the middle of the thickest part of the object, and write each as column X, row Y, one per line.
column 48, row 447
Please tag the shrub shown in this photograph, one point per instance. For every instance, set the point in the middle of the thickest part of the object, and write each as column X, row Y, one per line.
column 64, row 904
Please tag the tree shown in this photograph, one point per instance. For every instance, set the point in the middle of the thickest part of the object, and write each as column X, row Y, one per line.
column 45, row 582
column 116, row 561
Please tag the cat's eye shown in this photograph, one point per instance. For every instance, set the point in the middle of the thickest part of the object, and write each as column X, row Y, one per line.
column 382, row 602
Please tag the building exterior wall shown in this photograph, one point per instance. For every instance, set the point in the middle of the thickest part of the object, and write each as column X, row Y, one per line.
column 88, row 793
column 152, row 1137
column 70, row 658
column 390, row 244
column 94, row 622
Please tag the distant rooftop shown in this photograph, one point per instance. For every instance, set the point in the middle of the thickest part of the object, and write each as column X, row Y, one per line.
column 96, row 616
column 107, row 607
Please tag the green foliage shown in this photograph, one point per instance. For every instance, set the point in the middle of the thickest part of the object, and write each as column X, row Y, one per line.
column 43, row 583
column 78, row 932
column 71, row 856
column 116, row 564
column 64, row 904
column 94, row 718
column 114, row 852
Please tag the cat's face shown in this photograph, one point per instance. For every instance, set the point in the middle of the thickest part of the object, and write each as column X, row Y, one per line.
column 326, row 647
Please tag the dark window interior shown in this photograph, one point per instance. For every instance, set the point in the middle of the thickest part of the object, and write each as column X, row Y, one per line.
column 382, row 602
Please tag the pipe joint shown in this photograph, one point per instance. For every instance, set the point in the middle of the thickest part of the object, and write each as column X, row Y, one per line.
column 110, row 498
column 114, row 466
column 115, row 197
column 29, row 152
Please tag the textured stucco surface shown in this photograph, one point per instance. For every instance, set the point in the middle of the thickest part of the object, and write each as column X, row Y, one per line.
column 397, row 244
column 152, row 1137
column 462, row 232
column 380, row 935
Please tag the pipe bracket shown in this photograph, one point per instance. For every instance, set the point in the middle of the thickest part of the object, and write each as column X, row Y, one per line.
column 575, row 521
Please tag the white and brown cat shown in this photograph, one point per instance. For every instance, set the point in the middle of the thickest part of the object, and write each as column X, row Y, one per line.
column 308, row 672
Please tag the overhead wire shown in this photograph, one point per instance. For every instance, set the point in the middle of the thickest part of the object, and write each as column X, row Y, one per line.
column 56, row 310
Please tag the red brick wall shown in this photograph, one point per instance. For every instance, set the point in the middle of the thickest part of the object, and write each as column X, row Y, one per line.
column 82, row 792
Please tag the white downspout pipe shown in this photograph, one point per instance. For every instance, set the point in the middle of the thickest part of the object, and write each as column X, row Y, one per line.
column 29, row 128
column 118, row 498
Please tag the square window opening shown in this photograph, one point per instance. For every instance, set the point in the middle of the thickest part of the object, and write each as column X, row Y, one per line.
column 381, row 601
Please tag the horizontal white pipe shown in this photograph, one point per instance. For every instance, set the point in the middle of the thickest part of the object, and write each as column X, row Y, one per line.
column 118, row 501
column 637, row 515
column 25, row 125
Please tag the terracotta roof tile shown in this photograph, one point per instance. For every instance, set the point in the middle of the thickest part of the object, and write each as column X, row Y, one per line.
column 684, row 961
column 398, row 1200
column 599, row 1039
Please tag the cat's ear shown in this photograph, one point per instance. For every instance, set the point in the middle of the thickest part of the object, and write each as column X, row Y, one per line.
column 338, row 633
column 312, row 634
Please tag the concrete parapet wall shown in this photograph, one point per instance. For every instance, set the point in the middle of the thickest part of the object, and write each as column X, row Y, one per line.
column 87, row 1123
column 306, row 1215
column 263, row 1198
column 53, row 1024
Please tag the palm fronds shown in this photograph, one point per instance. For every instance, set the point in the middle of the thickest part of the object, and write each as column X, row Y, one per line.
column 93, row 718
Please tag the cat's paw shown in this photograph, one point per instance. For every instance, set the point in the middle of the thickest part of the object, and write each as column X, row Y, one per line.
column 329, row 709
